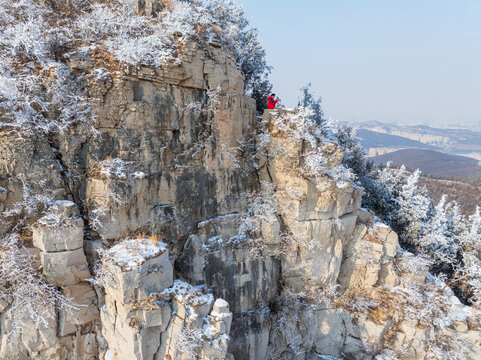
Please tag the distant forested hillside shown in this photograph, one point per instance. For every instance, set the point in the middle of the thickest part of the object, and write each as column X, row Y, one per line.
column 466, row 193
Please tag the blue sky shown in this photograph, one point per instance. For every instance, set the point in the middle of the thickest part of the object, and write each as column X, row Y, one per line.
column 410, row 61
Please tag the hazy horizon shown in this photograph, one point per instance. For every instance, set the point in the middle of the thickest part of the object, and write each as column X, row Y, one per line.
column 407, row 62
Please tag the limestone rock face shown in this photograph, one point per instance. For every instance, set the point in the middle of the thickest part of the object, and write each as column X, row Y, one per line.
column 87, row 310
column 59, row 235
column 65, row 268
column 212, row 234
column 321, row 219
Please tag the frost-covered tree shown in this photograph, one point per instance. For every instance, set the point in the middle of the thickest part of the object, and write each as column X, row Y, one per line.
column 381, row 191
column 438, row 238
column 354, row 153
column 260, row 93
column 457, row 222
column 415, row 207
column 308, row 100
column 469, row 272
column 251, row 56
column 472, row 239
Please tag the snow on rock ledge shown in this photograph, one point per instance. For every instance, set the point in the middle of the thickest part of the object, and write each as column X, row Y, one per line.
column 135, row 268
column 61, row 229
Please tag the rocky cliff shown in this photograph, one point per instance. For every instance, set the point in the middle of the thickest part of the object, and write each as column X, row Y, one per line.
column 180, row 226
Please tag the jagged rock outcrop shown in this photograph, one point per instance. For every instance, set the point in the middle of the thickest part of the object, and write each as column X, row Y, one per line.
column 147, row 316
column 212, row 234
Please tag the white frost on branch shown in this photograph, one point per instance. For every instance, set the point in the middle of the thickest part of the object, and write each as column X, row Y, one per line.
column 31, row 298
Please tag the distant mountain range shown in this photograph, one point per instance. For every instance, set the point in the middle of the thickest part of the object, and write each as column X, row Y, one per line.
column 440, row 152
column 432, row 162
column 371, row 139
column 379, row 138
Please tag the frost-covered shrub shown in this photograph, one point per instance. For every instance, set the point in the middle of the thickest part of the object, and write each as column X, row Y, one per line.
column 114, row 168
column 189, row 341
column 446, row 346
column 67, row 102
column 32, row 204
column 26, row 39
column 430, row 303
column 32, row 299
column 38, row 94
column 132, row 38
column 105, row 21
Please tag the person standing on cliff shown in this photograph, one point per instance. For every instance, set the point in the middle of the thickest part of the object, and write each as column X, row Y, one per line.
column 272, row 102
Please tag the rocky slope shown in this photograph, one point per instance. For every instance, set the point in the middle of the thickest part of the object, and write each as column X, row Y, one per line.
column 211, row 234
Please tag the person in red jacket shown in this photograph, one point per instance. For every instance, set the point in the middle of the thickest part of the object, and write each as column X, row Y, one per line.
column 271, row 102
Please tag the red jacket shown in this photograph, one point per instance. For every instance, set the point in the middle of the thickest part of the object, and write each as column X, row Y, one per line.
column 271, row 103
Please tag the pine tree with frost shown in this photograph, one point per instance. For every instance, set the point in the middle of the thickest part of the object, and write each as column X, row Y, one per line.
column 354, row 153
column 472, row 240
column 307, row 100
column 457, row 223
column 382, row 189
column 469, row 273
column 438, row 238
column 415, row 207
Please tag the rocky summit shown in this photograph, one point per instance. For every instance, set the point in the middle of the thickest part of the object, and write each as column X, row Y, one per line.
column 179, row 225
